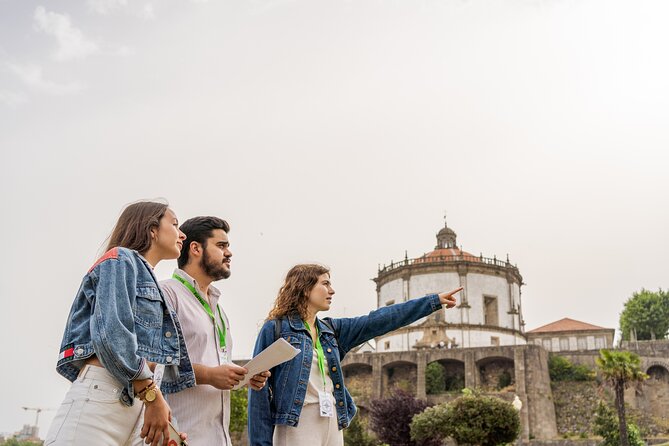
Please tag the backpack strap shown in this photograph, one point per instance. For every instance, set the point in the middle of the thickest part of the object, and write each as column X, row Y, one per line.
column 329, row 325
column 277, row 329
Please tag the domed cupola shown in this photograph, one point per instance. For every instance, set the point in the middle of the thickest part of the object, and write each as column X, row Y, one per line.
column 489, row 308
column 446, row 238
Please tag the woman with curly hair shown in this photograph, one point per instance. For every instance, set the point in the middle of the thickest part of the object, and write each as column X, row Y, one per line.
column 306, row 402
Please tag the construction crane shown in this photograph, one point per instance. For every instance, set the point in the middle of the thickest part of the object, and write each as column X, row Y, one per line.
column 37, row 412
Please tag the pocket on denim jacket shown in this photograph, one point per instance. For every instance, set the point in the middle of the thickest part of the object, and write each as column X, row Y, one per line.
column 285, row 367
column 295, row 341
column 149, row 317
column 330, row 342
column 149, row 306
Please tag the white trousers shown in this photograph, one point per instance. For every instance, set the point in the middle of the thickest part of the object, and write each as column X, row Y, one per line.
column 311, row 430
column 92, row 414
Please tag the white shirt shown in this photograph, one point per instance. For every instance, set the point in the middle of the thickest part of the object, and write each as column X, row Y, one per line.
column 315, row 383
column 203, row 411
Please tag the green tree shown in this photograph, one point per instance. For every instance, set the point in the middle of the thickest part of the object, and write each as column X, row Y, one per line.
column 435, row 380
column 238, row 407
column 620, row 369
column 647, row 313
column 15, row 442
column 606, row 426
column 356, row 434
column 470, row 419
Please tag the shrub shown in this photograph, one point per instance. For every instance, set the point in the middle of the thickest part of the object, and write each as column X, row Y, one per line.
column 356, row 434
column 606, row 426
column 238, row 402
column 432, row 424
column 435, row 381
column 15, row 442
column 470, row 419
column 562, row 369
column 390, row 418
column 504, row 380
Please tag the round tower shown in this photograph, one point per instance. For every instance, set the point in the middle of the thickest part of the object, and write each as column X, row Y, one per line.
column 488, row 311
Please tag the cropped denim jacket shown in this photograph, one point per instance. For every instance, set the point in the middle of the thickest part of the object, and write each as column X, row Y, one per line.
column 120, row 315
column 281, row 401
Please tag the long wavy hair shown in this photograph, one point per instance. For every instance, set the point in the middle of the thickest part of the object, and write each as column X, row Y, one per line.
column 294, row 293
column 133, row 228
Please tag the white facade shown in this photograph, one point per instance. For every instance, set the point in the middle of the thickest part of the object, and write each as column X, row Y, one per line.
column 572, row 343
column 489, row 307
column 406, row 340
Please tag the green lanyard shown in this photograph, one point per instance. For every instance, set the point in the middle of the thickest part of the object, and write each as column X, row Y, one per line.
column 207, row 308
column 319, row 351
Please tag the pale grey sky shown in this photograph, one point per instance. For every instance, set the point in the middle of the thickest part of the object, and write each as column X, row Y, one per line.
column 336, row 132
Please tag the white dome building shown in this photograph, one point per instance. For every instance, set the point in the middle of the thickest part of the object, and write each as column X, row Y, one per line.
column 488, row 311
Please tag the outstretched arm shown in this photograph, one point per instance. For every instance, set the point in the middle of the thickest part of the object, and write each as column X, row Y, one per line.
column 354, row 331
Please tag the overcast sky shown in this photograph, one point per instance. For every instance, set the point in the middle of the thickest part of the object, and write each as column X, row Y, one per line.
column 330, row 131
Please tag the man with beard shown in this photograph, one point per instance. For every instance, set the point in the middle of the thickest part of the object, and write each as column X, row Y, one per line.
column 203, row 411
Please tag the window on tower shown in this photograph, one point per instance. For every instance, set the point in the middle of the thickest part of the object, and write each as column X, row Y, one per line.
column 491, row 313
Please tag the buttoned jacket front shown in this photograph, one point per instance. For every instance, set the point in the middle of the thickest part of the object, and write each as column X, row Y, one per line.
column 120, row 315
column 281, row 401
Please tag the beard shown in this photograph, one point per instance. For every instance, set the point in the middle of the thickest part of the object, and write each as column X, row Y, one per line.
column 215, row 270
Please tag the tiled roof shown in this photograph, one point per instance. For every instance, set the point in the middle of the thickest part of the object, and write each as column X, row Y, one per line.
column 566, row 324
column 448, row 255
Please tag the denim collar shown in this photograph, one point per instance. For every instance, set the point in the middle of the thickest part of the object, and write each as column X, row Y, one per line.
column 297, row 324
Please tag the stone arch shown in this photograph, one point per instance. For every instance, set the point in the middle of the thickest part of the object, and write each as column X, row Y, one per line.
column 453, row 375
column 658, row 371
column 399, row 375
column 358, row 378
column 653, row 395
column 496, row 372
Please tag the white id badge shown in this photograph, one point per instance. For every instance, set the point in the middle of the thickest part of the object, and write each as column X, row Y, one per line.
column 325, row 403
column 222, row 356
column 158, row 373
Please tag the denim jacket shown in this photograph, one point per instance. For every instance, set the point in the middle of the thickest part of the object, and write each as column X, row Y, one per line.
column 280, row 402
column 119, row 314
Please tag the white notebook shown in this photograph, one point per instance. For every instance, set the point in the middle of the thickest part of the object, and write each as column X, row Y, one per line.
column 280, row 351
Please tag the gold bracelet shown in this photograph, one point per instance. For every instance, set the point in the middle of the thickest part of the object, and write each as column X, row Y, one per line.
column 139, row 392
column 149, row 393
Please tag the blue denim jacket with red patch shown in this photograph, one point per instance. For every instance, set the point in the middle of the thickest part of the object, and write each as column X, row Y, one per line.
column 120, row 315
column 281, row 400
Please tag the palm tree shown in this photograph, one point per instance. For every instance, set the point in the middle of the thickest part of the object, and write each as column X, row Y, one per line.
column 620, row 369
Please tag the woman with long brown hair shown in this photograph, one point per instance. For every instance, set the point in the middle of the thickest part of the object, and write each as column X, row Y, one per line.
column 306, row 402
column 118, row 329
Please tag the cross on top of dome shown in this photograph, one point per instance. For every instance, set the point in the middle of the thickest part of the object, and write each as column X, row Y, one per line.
column 446, row 237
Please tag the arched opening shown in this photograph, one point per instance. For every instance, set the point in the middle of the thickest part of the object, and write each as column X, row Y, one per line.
column 358, row 378
column 444, row 376
column 496, row 373
column 399, row 375
column 658, row 373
